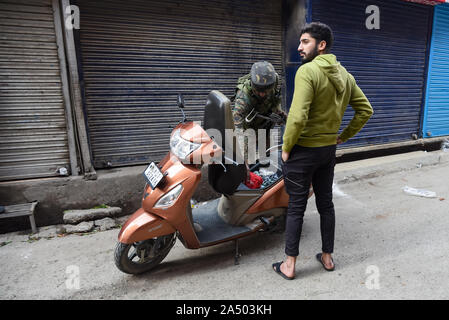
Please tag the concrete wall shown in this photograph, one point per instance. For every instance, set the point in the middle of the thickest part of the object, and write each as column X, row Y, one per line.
column 122, row 187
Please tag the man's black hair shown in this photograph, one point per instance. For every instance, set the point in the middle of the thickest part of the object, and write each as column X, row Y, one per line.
column 319, row 31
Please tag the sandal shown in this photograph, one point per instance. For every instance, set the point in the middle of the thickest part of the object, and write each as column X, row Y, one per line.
column 277, row 269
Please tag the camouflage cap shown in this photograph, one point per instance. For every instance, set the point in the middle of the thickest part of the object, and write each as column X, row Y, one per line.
column 263, row 75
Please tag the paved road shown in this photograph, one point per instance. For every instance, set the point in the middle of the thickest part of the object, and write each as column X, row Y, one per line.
column 389, row 245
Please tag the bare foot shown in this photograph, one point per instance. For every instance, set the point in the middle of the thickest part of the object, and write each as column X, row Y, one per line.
column 326, row 258
column 288, row 267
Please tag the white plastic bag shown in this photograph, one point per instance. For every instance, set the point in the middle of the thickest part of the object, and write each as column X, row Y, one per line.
column 445, row 145
column 266, row 172
column 419, row 192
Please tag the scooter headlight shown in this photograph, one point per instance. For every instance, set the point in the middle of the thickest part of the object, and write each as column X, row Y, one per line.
column 181, row 147
column 168, row 199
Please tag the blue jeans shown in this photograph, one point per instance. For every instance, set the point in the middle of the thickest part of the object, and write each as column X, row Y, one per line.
column 307, row 166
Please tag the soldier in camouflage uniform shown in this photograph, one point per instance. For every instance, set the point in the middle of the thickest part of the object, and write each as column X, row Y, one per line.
column 258, row 91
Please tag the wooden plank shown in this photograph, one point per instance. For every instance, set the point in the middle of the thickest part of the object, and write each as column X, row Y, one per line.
column 65, row 88
column 74, row 85
column 17, row 207
column 15, row 214
column 19, row 210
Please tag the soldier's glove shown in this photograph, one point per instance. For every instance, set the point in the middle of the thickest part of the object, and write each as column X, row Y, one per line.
column 277, row 118
column 284, row 116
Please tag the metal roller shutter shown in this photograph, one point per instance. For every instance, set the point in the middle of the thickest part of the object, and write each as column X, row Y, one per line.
column 137, row 56
column 388, row 63
column 436, row 116
column 33, row 136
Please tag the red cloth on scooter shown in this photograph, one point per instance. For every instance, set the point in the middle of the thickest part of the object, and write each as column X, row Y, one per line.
column 254, row 181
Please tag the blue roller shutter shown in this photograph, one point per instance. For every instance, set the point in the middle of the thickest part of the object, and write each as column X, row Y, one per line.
column 136, row 56
column 388, row 63
column 436, row 113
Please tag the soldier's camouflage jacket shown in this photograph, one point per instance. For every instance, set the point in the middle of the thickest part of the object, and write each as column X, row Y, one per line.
column 246, row 100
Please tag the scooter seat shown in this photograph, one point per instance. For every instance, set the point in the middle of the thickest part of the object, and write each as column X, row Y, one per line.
column 218, row 121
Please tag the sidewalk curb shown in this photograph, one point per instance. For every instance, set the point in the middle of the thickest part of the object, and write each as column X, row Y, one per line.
column 376, row 167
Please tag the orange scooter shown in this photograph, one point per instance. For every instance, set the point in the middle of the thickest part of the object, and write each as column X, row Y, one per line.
column 166, row 212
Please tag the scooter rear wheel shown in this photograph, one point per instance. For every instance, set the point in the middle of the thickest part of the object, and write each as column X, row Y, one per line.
column 144, row 255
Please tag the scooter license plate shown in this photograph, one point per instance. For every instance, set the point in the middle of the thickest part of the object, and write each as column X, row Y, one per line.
column 153, row 175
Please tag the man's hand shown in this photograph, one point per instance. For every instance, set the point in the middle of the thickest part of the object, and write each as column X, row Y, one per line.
column 285, row 155
column 339, row 141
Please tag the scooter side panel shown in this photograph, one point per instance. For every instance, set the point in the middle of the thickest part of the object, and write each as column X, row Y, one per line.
column 143, row 225
column 275, row 197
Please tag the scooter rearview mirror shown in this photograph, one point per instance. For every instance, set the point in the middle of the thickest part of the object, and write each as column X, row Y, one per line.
column 180, row 101
column 181, row 106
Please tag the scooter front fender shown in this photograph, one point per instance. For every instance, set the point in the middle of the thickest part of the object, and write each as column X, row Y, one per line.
column 143, row 225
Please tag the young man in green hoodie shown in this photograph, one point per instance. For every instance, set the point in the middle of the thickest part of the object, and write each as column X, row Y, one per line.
column 323, row 90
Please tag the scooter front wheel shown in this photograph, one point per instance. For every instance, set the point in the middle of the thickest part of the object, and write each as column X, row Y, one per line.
column 144, row 255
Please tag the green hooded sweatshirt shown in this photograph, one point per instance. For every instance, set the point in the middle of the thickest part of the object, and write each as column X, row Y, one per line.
column 323, row 90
